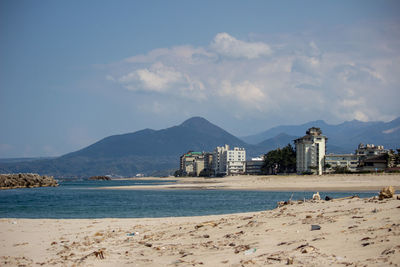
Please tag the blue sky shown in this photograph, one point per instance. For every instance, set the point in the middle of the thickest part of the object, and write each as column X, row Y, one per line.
column 73, row 72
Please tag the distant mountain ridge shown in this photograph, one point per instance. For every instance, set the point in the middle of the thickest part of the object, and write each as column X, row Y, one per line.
column 156, row 152
column 193, row 134
column 342, row 138
column 152, row 152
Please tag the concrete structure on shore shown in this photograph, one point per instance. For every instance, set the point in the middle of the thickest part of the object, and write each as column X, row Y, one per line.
column 26, row 180
column 310, row 152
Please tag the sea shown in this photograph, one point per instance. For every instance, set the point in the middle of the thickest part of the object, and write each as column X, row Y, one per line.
column 84, row 199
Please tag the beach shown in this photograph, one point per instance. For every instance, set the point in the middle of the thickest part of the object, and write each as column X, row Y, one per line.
column 339, row 232
column 337, row 182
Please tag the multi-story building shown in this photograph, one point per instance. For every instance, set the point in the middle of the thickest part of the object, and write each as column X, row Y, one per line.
column 368, row 150
column 191, row 163
column 208, row 163
column 253, row 166
column 371, row 157
column 374, row 163
column 310, row 151
column 366, row 158
column 349, row 161
column 228, row 161
column 236, row 161
column 219, row 160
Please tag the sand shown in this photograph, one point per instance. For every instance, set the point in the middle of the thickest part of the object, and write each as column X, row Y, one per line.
column 353, row 232
column 348, row 183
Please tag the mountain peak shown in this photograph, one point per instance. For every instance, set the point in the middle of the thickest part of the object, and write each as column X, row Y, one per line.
column 198, row 123
column 195, row 122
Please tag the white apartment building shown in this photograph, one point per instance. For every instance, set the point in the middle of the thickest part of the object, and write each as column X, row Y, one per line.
column 236, row 161
column 229, row 162
column 310, row 151
column 219, row 160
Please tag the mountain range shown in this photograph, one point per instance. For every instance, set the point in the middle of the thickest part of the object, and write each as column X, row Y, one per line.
column 156, row 152
column 342, row 138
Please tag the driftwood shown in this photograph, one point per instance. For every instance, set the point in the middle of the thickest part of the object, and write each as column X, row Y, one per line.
column 351, row 197
column 99, row 254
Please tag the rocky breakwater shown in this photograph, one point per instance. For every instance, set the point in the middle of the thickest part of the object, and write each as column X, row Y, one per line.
column 100, row 178
column 23, row 180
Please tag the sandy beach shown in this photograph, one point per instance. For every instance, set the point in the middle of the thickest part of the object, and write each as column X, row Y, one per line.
column 348, row 232
column 349, row 183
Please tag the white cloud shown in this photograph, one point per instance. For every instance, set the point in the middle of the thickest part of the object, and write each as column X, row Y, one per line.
column 159, row 78
column 226, row 45
column 305, row 77
column 178, row 54
column 156, row 78
column 359, row 115
column 244, row 92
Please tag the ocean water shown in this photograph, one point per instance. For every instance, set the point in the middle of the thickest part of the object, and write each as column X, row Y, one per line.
column 83, row 199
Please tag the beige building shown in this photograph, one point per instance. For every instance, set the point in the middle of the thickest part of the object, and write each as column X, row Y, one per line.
column 191, row 163
column 310, row 152
column 196, row 163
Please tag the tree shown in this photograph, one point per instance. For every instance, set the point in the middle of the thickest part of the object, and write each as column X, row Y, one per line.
column 178, row 173
column 393, row 158
column 280, row 161
column 339, row 169
column 206, row 173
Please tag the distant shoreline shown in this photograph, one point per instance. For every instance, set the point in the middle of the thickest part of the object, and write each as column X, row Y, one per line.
column 273, row 183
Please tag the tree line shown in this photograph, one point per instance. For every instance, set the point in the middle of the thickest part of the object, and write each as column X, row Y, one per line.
column 281, row 160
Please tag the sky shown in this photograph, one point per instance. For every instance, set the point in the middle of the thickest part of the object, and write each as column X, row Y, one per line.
column 73, row 72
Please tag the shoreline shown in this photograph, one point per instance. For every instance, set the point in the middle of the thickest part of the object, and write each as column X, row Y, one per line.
column 290, row 183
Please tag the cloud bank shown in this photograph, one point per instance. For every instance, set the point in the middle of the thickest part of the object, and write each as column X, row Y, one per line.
column 300, row 77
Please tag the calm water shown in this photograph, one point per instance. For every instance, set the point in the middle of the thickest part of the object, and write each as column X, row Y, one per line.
column 82, row 200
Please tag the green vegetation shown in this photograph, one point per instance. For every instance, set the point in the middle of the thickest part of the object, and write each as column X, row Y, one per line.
column 281, row 160
column 341, row 170
column 393, row 158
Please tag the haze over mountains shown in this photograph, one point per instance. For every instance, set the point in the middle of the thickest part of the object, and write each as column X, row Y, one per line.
column 156, row 152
